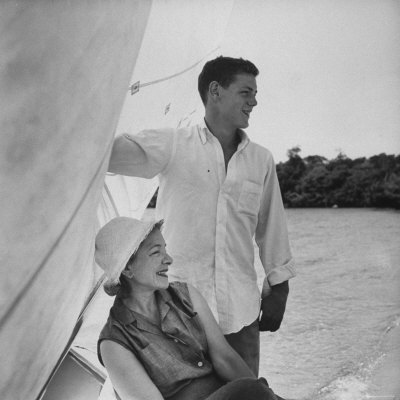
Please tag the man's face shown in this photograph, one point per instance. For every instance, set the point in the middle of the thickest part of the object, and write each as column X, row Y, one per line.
column 237, row 101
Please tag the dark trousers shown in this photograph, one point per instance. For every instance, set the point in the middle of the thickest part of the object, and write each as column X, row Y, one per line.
column 212, row 388
column 244, row 389
column 246, row 342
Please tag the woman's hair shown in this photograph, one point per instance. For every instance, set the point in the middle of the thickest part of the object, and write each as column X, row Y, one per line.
column 122, row 288
column 112, row 289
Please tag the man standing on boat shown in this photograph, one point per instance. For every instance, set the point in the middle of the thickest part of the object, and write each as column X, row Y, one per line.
column 218, row 191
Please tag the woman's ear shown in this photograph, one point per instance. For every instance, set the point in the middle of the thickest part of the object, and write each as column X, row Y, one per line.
column 128, row 270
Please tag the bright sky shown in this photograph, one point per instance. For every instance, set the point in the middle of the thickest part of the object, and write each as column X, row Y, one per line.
column 329, row 74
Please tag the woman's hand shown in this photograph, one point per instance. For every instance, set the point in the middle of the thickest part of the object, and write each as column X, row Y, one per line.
column 227, row 363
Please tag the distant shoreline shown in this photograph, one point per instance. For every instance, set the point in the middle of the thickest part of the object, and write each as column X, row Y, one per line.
column 314, row 181
column 152, row 204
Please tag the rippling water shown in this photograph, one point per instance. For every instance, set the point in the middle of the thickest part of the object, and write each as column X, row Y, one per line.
column 343, row 303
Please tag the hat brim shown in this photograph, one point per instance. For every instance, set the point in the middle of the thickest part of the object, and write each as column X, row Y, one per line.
column 146, row 232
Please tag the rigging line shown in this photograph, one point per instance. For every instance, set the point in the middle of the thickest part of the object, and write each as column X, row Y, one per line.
column 111, row 199
column 139, row 85
column 58, row 240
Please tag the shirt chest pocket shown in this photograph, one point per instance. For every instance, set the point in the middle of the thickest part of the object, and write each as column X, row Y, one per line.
column 249, row 198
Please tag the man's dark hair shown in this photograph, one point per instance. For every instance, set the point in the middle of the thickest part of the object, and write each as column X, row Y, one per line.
column 223, row 70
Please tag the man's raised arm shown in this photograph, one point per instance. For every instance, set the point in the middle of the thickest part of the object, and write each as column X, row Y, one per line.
column 144, row 155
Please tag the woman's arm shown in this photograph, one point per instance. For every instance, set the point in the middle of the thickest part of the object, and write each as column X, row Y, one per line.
column 227, row 363
column 127, row 374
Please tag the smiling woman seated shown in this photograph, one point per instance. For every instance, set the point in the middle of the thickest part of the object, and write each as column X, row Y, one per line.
column 161, row 340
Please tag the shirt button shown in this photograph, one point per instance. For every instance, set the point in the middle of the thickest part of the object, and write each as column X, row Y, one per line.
column 200, row 363
column 176, row 340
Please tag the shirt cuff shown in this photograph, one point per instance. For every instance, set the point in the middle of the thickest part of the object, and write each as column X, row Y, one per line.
column 278, row 275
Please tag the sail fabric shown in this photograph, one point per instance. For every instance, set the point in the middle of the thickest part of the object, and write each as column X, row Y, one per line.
column 64, row 70
column 180, row 37
column 125, row 196
column 65, row 74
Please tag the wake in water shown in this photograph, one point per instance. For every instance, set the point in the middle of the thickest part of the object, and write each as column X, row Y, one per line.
column 358, row 385
column 344, row 388
column 349, row 387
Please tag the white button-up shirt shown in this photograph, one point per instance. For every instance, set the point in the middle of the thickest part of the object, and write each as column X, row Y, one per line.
column 212, row 214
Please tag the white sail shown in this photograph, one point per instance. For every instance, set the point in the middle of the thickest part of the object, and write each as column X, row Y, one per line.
column 64, row 73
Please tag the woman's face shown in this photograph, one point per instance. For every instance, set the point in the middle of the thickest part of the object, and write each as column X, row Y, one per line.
column 150, row 264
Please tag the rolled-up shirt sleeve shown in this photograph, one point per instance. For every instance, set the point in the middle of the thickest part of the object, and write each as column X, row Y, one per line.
column 272, row 234
column 144, row 155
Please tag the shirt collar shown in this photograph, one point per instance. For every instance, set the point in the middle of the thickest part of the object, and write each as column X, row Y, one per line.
column 203, row 131
column 126, row 316
column 205, row 135
column 244, row 140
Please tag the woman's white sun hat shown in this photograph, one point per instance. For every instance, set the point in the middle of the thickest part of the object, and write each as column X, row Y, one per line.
column 116, row 242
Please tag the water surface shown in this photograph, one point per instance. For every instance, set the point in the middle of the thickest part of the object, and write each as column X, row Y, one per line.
column 343, row 303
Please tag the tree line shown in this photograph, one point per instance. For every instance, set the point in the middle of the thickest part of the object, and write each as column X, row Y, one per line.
column 314, row 181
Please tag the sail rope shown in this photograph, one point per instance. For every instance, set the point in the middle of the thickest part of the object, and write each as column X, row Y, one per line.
column 114, row 206
column 135, row 87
